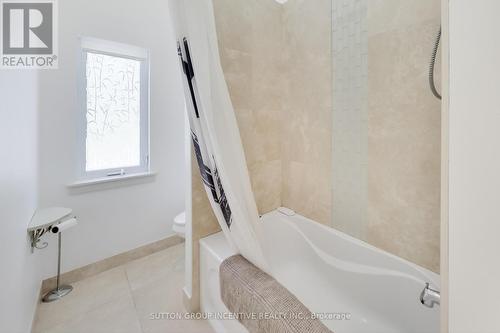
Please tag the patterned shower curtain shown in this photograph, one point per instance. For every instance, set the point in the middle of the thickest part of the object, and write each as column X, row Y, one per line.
column 214, row 130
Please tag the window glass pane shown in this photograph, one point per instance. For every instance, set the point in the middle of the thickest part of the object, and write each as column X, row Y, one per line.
column 113, row 112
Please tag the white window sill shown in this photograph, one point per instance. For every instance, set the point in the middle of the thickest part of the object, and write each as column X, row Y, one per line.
column 111, row 179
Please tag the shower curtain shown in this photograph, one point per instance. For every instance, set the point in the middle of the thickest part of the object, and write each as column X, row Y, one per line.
column 214, row 130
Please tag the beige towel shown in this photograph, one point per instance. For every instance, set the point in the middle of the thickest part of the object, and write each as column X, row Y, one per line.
column 261, row 303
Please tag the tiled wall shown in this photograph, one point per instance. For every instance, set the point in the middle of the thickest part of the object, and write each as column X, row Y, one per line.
column 404, row 131
column 350, row 116
column 307, row 122
column 371, row 166
column 277, row 63
column 250, row 45
column 386, row 126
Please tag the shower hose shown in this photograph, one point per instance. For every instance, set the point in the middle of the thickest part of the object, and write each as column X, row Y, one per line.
column 432, row 65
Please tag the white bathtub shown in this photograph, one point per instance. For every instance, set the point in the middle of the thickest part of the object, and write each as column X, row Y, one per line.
column 330, row 272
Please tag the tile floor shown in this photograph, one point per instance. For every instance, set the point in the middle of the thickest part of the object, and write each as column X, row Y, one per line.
column 123, row 299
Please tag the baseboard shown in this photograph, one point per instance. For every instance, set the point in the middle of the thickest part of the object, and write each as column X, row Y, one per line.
column 111, row 262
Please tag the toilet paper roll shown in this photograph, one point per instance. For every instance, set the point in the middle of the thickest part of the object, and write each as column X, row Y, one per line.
column 64, row 225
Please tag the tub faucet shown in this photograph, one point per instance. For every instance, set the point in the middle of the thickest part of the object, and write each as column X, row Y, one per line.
column 429, row 296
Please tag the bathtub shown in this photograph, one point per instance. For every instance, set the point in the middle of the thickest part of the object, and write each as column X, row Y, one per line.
column 353, row 287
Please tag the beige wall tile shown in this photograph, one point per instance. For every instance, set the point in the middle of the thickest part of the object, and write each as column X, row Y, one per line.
column 251, row 49
column 266, row 185
column 307, row 190
column 306, row 142
column 386, row 15
column 404, row 132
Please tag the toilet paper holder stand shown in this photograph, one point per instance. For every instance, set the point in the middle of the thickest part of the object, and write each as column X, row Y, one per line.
column 53, row 220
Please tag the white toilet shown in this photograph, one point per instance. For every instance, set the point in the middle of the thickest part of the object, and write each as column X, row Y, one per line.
column 179, row 226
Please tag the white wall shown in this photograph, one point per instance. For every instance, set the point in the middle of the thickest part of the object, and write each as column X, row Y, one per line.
column 474, row 167
column 20, row 273
column 113, row 219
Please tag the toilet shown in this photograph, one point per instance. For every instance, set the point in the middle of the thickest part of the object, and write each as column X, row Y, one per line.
column 179, row 226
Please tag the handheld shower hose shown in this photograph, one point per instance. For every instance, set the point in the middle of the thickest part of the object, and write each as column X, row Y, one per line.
column 432, row 65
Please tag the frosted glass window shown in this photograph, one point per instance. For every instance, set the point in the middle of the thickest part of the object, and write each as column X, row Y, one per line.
column 114, row 136
column 113, row 112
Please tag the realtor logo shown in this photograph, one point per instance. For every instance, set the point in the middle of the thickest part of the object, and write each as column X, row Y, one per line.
column 28, row 34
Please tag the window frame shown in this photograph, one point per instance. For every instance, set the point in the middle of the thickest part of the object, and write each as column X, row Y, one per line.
column 115, row 49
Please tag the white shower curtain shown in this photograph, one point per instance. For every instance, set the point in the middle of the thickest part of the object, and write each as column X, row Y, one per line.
column 214, row 130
